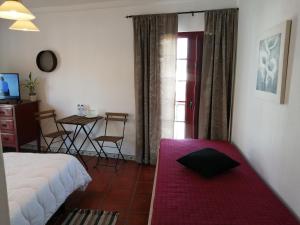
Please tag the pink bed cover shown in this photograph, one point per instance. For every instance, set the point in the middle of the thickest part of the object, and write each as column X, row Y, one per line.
column 237, row 197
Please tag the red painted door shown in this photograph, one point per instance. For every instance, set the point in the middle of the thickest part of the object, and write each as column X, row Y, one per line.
column 193, row 77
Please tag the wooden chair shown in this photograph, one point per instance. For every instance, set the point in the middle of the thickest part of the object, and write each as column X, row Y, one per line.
column 116, row 140
column 58, row 134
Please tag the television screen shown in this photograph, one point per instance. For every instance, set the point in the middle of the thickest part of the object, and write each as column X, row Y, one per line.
column 9, row 86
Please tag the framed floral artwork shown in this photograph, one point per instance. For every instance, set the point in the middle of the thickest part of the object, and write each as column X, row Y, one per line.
column 273, row 62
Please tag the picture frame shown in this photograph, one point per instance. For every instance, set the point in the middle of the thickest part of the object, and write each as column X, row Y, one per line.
column 273, row 53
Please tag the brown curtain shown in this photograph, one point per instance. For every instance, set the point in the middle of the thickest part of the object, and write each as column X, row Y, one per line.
column 199, row 55
column 151, row 34
column 218, row 72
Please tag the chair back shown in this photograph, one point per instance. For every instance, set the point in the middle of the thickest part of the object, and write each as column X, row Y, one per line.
column 116, row 117
column 46, row 115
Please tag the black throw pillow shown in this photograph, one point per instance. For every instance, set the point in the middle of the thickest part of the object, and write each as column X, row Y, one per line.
column 208, row 162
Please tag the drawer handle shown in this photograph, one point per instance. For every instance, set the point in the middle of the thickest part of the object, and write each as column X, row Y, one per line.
column 2, row 112
column 6, row 138
column 4, row 125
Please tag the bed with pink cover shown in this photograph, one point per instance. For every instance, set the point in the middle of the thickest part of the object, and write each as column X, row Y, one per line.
column 237, row 197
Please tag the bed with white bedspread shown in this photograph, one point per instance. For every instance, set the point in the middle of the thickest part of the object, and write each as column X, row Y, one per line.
column 38, row 184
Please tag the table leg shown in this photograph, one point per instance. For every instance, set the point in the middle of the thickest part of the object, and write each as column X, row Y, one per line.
column 87, row 134
column 88, row 138
column 38, row 141
column 68, row 137
column 76, row 133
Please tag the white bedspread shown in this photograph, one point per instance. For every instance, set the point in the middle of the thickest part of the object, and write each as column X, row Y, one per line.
column 38, row 184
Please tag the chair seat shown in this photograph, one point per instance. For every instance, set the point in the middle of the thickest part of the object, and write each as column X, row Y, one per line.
column 57, row 134
column 113, row 139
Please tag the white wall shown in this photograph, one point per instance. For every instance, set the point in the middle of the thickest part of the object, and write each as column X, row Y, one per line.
column 94, row 44
column 4, row 211
column 269, row 133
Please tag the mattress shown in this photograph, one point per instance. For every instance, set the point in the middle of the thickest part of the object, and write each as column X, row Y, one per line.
column 237, row 197
column 38, row 184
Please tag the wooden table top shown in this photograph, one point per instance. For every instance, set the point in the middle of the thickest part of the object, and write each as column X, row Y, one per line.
column 78, row 120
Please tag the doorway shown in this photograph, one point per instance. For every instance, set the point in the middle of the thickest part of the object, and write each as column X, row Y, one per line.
column 188, row 77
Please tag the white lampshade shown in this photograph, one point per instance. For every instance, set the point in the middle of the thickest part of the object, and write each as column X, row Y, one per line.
column 24, row 25
column 15, row 10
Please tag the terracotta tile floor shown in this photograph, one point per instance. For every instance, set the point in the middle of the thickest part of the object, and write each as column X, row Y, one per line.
column 128, row 191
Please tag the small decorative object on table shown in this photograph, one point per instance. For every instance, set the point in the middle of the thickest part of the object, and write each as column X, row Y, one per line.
column 81, row 110
column 91, row 113
column 31, row 85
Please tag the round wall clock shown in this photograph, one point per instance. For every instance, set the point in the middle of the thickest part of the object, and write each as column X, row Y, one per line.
column 46, row 61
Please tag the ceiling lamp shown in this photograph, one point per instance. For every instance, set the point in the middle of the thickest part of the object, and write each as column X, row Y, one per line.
column 24, row 25
column 15, row 10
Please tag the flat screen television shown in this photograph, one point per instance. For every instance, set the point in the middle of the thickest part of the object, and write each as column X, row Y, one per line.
column 9, row 86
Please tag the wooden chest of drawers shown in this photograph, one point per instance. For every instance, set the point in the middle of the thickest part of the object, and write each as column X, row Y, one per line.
column 18, row 125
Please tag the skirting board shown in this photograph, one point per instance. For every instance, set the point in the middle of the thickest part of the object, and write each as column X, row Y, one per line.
column 83, row 152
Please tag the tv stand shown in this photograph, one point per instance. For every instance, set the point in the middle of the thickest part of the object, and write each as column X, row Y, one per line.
column 10, row 102
column 18, row 125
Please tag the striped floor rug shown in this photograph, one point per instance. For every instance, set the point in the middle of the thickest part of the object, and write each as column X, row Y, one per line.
column 91, row 217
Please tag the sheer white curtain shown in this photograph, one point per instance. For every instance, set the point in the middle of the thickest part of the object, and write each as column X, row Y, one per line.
column 168, row 84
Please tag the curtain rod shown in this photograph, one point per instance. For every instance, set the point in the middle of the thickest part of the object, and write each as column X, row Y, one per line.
column 187, row 12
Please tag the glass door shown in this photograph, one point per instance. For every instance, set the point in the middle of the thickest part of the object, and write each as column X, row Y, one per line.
column 188, row 74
